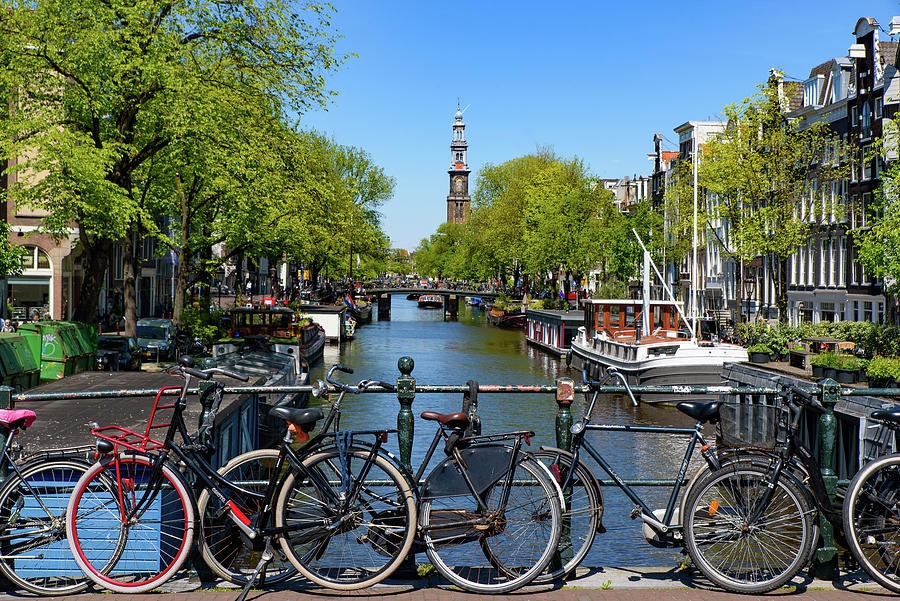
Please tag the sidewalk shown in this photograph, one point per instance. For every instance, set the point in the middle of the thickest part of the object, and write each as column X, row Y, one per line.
column 627, row 584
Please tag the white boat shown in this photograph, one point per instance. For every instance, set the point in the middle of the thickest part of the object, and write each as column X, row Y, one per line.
column 643, row 340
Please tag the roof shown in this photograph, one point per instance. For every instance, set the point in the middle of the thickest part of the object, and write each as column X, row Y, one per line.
column 668, row 155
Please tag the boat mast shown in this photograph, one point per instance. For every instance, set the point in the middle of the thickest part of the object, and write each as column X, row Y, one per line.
column 662, row 280
column 694, row 273
column 645, row 322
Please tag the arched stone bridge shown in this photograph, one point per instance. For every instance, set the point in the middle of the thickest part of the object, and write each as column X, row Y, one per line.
column 450, row 297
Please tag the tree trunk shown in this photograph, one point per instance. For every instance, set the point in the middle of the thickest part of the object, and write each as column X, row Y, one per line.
column 180, row 285
column 94, row 261
column 779, row 278
column 130, row 268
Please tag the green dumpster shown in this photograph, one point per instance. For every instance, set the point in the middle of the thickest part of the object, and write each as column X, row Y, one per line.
column 81, row 338
column 18, row 367
column 60, row 349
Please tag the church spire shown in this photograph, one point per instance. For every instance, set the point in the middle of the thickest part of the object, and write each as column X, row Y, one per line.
column 458, row 199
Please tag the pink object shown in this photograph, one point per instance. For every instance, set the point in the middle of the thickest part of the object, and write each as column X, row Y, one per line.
column 8, row 416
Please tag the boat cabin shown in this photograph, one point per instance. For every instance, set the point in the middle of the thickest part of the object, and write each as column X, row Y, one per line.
column 267, row 322
column 621, row 318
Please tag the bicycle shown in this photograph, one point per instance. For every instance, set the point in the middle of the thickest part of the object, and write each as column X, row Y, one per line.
column 33, row 552
column 136, row 498
column 489, row 514
column 751, row 526
column 871, row 510
column 583, row 510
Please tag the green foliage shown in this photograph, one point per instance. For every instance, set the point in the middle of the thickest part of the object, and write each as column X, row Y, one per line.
column 759, row 347
column 759, row 168
column 879, row 243
column 203, row 324
column 827, row 359
column 880, row 367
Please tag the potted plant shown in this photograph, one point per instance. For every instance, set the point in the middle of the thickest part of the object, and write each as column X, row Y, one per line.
column 881, row 371
column 826, row 363
column 847, row 369
column 759, row 353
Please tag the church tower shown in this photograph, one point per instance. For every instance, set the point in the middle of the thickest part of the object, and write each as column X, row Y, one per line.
column 458, row 199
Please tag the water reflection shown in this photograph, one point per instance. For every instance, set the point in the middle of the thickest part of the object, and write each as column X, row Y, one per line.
column 452, row 353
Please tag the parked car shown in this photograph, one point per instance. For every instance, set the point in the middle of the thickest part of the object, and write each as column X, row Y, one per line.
column 156, row 337
column 118, row 353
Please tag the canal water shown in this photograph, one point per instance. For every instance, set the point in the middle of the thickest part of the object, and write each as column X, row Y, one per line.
column 470, row 349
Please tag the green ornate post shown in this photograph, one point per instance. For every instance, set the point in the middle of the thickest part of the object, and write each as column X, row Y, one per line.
column 565, row 394
column 826, row 554
column 5, row 403
column 406, row 393
column 206, row 392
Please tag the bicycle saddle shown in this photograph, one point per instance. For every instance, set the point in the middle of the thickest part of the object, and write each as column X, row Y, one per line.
column 305, row 418
column 891, row 416
column 17, row 418
column 704, row 411
column 451, row 420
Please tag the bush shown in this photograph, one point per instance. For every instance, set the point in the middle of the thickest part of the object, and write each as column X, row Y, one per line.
column 759, row 347
column 883, row 367
column 203, row 324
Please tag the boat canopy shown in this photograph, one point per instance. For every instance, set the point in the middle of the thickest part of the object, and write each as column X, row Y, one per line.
column 614, row 314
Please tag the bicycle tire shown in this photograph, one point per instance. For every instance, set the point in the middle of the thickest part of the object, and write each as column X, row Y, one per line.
column 871, row 512
column 517, row 546
column 371, row 544
column 735, row 555
column 221, row 541
column 580, row 516
column 35, row 553
column 763, row 459
column 157, row 541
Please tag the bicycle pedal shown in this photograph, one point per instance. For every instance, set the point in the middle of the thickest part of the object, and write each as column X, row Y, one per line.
column 636, row 512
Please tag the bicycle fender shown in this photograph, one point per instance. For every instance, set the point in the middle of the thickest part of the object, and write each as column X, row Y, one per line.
column 485, row 466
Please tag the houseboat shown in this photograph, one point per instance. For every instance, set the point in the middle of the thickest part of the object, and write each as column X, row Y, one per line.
column 506, row 318
column 431, row 301
column 642, row 339
column 552, row 330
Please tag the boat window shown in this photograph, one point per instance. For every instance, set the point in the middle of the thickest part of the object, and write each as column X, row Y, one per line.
column 613, row 317
column 657, row 318
column 629, row 315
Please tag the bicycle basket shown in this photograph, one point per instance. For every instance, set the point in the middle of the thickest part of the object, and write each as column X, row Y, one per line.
column 749, row 424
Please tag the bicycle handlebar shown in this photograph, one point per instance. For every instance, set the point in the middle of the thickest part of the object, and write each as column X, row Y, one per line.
column 362, row 385
column 610, row 372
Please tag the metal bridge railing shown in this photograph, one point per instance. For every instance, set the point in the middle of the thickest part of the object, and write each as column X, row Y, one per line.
column 564, row 390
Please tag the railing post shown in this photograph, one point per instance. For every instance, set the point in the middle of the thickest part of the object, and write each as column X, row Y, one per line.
column 565, row 394
column 406, row 393
column 5, row 403
column 826, row 554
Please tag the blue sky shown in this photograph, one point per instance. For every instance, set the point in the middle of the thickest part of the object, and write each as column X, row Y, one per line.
column 589, row 79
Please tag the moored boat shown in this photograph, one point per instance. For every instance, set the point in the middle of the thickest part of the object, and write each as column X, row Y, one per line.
column 431, row 301
column 412, row 296
column 506, row 318
column 649, row 352
column 474, row 301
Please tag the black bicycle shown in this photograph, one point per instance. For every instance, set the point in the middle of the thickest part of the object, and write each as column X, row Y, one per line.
column 131, row 518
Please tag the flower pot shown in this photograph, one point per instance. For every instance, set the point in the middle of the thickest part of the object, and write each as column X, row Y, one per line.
column 846, row 376
column 830, row 373
column 757, row 357
column 879, row 382
column 818, row 371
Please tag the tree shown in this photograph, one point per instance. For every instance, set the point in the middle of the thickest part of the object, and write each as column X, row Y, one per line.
column 878, row 244
column 765, row 170
column 101, row 88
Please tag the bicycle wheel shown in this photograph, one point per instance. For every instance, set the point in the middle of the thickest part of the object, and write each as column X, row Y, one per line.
column 222, row 543
column 511, row 549
column 580, row 516
column 738, row 554
column 355, row 546
column 34, row 554
column 124, row 550
column 872, row 520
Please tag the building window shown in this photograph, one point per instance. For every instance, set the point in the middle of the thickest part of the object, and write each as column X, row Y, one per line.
column 826, row 312
column 866, row 115
column 878, row 103
column 34, row 258
column 867, row 311
column 118, row 271
column 854, row 116
column 866, row 208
